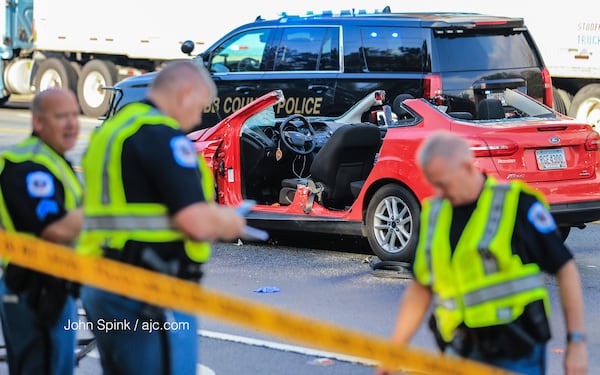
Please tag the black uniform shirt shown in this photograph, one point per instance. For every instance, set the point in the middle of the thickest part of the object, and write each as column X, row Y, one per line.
column 34, row 197
column 160, row 165
column 535, row 238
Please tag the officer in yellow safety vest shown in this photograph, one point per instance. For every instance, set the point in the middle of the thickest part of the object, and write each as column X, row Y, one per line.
column 149, row 203
column 40, row 195
column 482, row 248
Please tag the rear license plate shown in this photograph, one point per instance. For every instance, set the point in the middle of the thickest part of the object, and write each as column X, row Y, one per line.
column 551, row 159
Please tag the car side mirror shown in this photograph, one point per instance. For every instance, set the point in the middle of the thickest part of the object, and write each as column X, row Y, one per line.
column 187, row 47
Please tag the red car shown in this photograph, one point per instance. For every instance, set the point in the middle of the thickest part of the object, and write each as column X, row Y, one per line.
column 357, row 174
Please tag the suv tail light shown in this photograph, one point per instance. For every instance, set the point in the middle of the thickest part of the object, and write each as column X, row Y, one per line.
column 548, row 98
column 432, row 88
column 592, row 142
column 492, row 147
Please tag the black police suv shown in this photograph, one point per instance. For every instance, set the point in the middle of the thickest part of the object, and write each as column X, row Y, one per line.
column 324, row 63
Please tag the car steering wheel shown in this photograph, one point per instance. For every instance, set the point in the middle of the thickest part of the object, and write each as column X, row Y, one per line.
column 248, row 64
column 299, row 138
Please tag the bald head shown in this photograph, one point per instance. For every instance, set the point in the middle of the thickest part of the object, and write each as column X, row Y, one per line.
column 182, row 90
column 55, row 118
column 445, row 145
column 449, row 166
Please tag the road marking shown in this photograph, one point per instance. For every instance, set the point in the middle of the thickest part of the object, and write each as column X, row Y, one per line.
column 204, row 370
column 284, row 347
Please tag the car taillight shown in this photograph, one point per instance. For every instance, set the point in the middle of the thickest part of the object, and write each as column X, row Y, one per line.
column 548, row 99
column 493, row 22
column 432, row 88
column 492, row 147
column 592, row 142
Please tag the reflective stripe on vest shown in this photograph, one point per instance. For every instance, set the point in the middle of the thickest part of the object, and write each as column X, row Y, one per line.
column 111, row 221
column 503, row 290
column 482, row 283
column 490, row 262
column 436, row 205
column 128, row 222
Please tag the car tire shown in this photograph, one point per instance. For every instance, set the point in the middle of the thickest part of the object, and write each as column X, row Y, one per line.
column 562, row 100
column 392, row 223
column 564, row 232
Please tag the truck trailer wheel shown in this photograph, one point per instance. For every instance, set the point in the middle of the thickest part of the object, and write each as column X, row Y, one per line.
column 55, row 73
column 586, row 105
column 94, row 76
column 562, row 100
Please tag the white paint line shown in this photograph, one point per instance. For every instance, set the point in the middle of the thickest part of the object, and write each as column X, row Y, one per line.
column 284, row 347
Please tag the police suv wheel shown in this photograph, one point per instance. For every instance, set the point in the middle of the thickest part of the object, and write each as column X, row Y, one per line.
column 393, row 223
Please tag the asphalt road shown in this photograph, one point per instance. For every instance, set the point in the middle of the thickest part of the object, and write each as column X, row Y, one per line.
column 324, row 278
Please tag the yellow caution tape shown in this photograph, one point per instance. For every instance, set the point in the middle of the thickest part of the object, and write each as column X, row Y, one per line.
column 174, row 293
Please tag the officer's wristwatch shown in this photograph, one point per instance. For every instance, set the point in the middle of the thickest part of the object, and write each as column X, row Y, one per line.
column 575, row 336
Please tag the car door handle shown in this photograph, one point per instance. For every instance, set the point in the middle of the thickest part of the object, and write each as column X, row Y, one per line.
column 319, row 89
column 245, row 90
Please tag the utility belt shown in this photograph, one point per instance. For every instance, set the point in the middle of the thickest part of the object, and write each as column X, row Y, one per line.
column 513, row 340
column 46, row 295
column 167, row 258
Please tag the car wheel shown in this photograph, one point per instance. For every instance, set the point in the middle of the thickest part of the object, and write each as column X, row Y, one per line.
column 393, row 223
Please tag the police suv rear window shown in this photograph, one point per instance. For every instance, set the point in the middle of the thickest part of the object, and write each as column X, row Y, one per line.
column 486, row 51
column 394, row 49
column 308, row 48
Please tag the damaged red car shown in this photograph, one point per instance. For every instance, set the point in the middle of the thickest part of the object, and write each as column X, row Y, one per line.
column 357, row 174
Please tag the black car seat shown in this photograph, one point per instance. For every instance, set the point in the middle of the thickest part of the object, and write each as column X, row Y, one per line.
column 490, row 109
column 397, row 108
column 340, row 167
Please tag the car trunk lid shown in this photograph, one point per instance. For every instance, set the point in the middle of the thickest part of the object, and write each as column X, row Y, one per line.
column 544, row 152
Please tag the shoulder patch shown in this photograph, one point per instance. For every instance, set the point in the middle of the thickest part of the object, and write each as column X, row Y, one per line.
column 40, row 184
column 184, row 152
column 541, row 219
column 46, row 207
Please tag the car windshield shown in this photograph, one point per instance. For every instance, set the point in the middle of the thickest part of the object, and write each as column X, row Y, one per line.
column 527, row 106
column 264, row 118
column 508, row 104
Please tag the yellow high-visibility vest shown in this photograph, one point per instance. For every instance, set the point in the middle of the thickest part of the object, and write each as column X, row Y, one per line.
column 483, row 283
column 110, row 221
column 34, row 150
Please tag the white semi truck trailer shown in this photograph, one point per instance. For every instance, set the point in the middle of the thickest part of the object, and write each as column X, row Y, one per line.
column 86, row 45
column 567, row 35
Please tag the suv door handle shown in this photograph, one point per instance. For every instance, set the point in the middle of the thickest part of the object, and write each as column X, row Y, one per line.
column 319, row 89
column 245, row 90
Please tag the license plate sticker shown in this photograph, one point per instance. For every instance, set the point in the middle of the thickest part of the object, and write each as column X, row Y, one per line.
column 551, row 159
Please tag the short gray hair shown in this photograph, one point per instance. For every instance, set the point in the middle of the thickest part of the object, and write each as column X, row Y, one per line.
column 178, row 72
column 445, row 145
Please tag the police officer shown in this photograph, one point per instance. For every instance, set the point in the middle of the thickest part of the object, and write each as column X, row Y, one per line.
column 41, row 196
column 482, row 248
column 149, row 204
